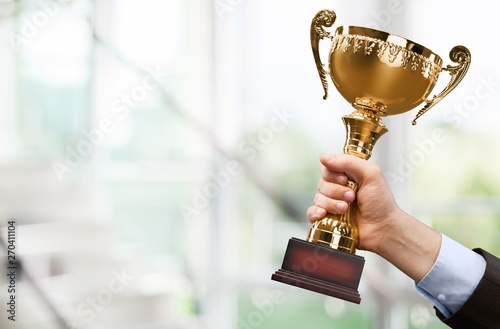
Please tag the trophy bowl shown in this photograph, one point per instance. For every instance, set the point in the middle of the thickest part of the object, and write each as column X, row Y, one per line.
column 380, row 71
column 370, row 65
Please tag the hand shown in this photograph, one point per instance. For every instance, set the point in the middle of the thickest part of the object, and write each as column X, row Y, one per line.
column 375, row 208
column 383, row 227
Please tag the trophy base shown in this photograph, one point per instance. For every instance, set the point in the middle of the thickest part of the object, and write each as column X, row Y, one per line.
column 321, row 269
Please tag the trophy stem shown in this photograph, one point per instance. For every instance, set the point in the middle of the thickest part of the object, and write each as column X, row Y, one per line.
column 363, row 129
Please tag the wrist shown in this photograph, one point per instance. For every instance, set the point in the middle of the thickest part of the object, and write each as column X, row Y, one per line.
column 383, row 238
column 410, row 245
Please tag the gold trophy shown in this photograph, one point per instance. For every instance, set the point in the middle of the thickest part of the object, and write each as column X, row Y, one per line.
column 379, row 74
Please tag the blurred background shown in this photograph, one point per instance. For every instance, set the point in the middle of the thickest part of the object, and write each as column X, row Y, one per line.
column 156, row 157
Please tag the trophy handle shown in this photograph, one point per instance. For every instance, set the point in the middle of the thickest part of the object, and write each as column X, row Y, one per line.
column 323, row 18
column 460, row 55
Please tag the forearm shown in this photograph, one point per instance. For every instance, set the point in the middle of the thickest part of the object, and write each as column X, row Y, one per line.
column 410, row 245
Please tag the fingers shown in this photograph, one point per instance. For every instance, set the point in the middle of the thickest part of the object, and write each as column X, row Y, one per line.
column 353, row 167
column 335, row 191
column 333, row 194
column 334, row 185
column 333, row 206
column 323, row 204
column 333, row 176
column 315, row 213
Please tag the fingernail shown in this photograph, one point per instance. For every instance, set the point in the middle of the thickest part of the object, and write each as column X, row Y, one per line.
column 342, row 180
column 349, row 196
column 341, row 206
column 319, row 211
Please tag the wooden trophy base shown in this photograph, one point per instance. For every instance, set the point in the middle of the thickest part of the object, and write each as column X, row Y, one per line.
column 321, row 269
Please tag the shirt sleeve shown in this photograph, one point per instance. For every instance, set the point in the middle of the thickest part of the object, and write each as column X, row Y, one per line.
column 453, row 278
